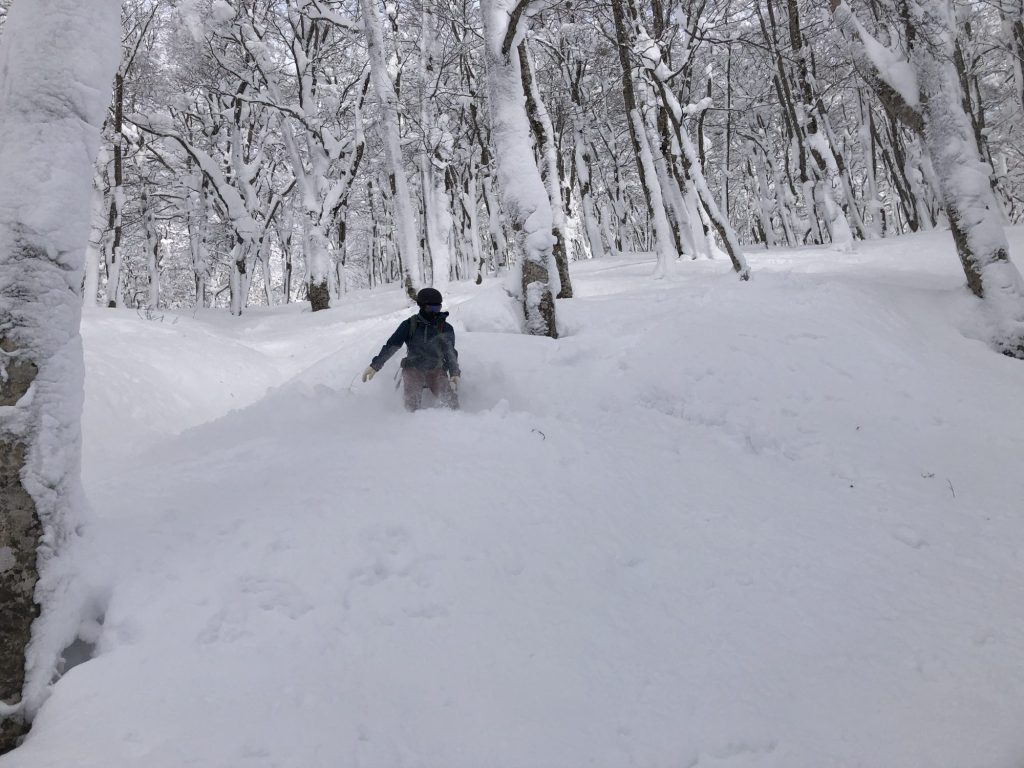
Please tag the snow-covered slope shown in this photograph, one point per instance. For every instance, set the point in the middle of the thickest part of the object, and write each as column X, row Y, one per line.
column 716, row 524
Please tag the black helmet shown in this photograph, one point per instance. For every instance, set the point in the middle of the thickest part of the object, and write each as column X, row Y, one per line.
column 428, row 296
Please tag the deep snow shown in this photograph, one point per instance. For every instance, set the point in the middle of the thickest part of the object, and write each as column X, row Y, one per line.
column 775, row 523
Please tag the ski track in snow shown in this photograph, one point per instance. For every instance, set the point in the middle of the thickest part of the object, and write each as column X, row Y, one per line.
column 716, row 525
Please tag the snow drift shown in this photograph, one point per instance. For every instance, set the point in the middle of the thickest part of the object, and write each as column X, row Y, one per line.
column 715, row 524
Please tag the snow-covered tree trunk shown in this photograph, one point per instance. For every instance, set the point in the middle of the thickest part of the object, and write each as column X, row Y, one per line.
column 197, row 223
column 324, row 157
column 232, row 195
column 488, row 195
column 268, row 284
column 761, row 183
column 672, row 182
column 285, row 233
column 693, row 168
column 973, row 212
column 660, row 142
column 384, row 88
column 722, row 225
column 499, row 243
column 115, row 232
column 809, row 116
column 574, row 72
column 591, row 224
column 903, row 163
column 874, row 217
column 236, row 277
column 646, row 169
column 525, row 197
column 435, row 159
column 1013, row 20
column 318, row 263
column 924, row 90
column 57, row 62
column 544, row 136
column 469, row 197
column 94, row 249
column 967, row 60
column 437, row 218
column 616, row 218
column 152, row 251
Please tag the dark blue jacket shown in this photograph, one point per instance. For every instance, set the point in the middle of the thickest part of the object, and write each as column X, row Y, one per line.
column 431, row 344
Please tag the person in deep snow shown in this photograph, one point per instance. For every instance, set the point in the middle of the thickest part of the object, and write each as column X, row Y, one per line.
column 431, row 357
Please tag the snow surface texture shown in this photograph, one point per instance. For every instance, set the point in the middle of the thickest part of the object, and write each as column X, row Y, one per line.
column 714, row 525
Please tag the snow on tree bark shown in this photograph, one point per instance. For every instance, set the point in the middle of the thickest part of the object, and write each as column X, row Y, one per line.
column 693, row 168
column 664, row 242
column 115, row 231
column 1014, row 20
column 926, row 88
column 384, row 88
column 435, row 158
column 197, row 224
column 324, row 157
column 523, row 192
column 152, row 251
column 57, row 62
column 93, row 251
column 591, row 224
column 544, row 135
column 810, row 114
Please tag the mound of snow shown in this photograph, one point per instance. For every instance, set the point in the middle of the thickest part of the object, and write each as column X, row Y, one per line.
column 720, row 524
column 489, row 311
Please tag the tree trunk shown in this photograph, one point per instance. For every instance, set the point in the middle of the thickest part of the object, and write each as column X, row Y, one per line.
column 316, row 251
column 641, row 145
column 961, row 176
column 114, row 225
column 93, row 251
column 152, row 251
column 973, row 212
column 1016, row 24
column 285, row 234
column 591, row 224
column 384, row 87
column 526, row 199
column 810, row 113
column 693, row 173
column 197, row 227
column 874, row 218
column 57, row 65
column 543, row 135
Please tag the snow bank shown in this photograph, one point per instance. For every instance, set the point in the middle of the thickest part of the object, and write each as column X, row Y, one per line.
column 720, row 524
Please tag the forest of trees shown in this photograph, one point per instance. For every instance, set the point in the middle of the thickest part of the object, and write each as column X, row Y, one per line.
column 268, row 151
column 261, row 152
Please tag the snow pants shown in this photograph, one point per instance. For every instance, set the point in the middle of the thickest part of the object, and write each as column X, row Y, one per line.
column 415, row 380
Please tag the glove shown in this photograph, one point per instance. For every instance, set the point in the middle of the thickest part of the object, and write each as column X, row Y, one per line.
column 369, row 373
column 455, row 383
